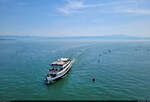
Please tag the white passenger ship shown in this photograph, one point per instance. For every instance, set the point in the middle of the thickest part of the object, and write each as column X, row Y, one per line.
column 58, row 70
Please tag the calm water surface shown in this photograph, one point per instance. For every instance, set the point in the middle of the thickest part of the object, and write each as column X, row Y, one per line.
column 121, row 69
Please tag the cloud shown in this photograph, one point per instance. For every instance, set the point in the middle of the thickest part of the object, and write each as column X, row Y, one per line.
column 137, row 11
column 118, row 6
column 76, row 6
column 132, row 7
column 72, row 6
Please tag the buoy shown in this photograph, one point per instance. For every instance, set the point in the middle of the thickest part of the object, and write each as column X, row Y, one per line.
column 93, row 79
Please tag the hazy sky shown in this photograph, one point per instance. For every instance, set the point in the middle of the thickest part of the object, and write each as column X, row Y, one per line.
column 75, row 17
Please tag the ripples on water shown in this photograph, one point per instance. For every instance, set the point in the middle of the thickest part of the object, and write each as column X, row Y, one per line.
column 121, row 69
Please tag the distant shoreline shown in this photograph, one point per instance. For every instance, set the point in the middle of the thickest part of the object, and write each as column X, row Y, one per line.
column 110, row 37
column 7, row 39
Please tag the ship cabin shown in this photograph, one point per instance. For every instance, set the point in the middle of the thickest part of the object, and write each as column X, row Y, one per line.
column 57, row 66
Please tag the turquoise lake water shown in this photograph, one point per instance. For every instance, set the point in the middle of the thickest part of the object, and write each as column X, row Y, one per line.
column 121, row 70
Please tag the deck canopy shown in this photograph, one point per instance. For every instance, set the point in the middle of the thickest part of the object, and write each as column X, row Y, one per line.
column 59, row 63
column 64, row 59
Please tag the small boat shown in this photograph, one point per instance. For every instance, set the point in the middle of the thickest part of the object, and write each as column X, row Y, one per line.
column 58, row 69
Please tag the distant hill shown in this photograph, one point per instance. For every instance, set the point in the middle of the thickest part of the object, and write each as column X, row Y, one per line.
column 109, row 37
column 115, row 37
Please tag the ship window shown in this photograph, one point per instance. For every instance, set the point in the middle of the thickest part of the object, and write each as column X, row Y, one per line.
column 56, row 66
column 52, row 75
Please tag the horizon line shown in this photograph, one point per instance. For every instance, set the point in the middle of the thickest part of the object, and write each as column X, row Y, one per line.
column 111, row 35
